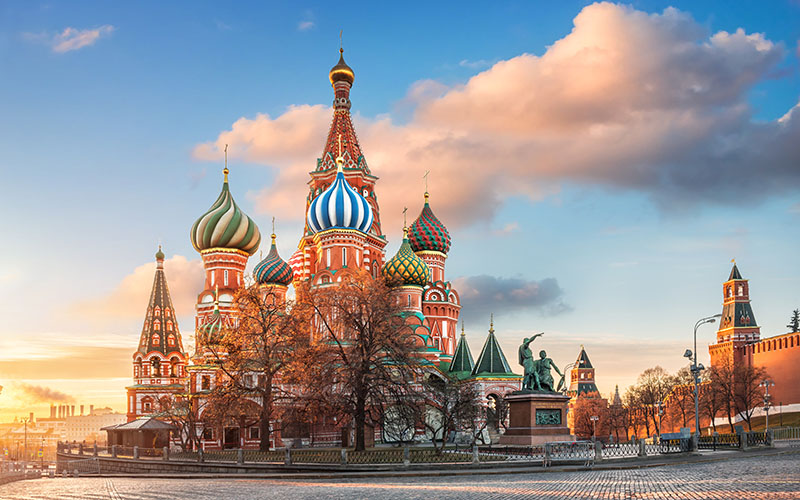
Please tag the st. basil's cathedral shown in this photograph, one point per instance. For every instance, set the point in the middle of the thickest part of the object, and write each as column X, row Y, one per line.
column 342, row 231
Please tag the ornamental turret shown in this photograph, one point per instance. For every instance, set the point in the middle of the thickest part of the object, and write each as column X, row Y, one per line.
column 273, row 274
column 225, row 237
column 430, row 240
column 159, row 362
column 407, row 274
column 582, row 376
column 342, row 223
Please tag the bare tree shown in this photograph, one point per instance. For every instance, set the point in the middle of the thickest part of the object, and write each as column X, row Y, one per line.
column 590, row 405
column 365, row 358
column 721, row 380
column 681, row 398
column 747, row 394
column 449, row 405
column 255, row 352
column 652, row 387
column 183, row 413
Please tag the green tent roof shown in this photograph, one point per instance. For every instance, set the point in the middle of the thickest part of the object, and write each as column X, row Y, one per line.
column 492, row 360
column 462, row 359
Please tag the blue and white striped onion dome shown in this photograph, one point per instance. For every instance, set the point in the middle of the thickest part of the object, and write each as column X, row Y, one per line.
column 339, row 206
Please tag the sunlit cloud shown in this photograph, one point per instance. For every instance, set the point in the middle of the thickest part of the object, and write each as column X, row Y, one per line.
column 305, row 25
column 651, row 103
column 71, row 38
column 129, row 298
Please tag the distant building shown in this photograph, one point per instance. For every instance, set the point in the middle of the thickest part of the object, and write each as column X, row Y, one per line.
column 581, row 384
column 87, row 427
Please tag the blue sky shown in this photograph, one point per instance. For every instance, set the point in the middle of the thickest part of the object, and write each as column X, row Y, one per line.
column 111, row 147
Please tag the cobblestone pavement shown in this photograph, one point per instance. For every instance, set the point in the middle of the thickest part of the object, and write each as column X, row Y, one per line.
column 762, row 477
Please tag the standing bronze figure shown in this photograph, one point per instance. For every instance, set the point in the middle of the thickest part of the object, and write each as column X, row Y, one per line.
column 530, row 380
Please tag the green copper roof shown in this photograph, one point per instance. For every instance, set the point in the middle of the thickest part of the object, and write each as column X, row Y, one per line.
column 735, row 274
column 492, row 360
column 462, row 359
column 583, row 360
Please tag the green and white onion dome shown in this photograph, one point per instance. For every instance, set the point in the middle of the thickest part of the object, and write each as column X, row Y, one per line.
column 405, row 268
column 273, row 270
column 224, row 225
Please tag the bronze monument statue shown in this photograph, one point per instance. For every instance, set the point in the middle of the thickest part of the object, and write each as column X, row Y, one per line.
column 537, row 372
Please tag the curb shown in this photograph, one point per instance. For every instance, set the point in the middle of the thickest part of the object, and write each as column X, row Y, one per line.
column 450, row 472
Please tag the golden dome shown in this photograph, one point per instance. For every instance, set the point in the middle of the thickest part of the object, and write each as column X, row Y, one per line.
column 342, row 72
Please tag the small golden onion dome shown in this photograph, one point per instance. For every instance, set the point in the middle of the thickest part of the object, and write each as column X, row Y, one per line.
column 342, row 72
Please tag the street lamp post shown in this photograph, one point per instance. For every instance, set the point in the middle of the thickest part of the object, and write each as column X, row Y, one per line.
column 660, row 406
column 766, row 385
column 594, row 419
column 696, row 369
column 25, row 447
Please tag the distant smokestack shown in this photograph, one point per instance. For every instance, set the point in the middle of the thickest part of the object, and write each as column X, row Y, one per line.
column 91, row 409
column 72, row 411
column 81, row 410
column 52, row 410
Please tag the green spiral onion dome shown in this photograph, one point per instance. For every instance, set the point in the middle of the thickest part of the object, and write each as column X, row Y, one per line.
column 273, row 270
column 427, row 233
column 405, row 268
column 211, row 332
column 224, row 225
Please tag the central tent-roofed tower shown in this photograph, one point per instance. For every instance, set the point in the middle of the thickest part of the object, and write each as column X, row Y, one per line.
column 343, row 229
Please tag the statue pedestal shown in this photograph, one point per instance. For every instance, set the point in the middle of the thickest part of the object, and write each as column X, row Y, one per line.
column 536, row 418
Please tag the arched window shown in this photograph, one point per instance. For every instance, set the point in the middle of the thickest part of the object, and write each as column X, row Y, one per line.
column 409, row 300
column 205, row 383
column 173, row 367
column 344, row 257
column 156, row 364
column 157, row 310
column 225, row 277
column 741, row 290
column 156, row 339
column 171, row 340
column 157, row 325
column 169, row 325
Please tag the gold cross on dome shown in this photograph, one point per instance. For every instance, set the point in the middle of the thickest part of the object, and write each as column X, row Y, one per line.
column 405, row 209
column 426, row 179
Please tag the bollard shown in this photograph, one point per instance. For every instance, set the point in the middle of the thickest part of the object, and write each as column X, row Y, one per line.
column 165, row 454
column 642, row 449
column 75, row 473
column 114, row 451
column 476, row 459
column 94, row 450
column 240, row 456
column 406, row 455
column 344, row 456
column 288, row 459
column 200, row 455
column 598, row 451
column 547, row 455
column 52, row 474
column 769, row 438
column 136, row 453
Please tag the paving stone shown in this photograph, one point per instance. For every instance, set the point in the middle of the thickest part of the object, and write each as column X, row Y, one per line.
column 774, row 476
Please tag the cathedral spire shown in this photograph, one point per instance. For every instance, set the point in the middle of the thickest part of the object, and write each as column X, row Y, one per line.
column 160, row 330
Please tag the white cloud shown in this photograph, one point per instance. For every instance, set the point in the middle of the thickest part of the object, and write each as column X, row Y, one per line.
column 74, row 39
column 628, row 100
column 305, row 25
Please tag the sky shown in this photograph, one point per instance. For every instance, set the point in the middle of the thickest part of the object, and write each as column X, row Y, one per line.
column 598, row 165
